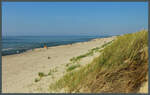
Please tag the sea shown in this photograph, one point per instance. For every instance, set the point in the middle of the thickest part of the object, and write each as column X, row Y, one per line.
column 19, row 44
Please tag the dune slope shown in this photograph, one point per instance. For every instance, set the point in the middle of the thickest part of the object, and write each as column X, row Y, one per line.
column 122, row 67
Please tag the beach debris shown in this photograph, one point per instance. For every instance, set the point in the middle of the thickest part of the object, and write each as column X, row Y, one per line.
column 49, row 57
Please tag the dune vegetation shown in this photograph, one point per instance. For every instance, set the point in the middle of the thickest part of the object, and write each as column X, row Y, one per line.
column 121, row 67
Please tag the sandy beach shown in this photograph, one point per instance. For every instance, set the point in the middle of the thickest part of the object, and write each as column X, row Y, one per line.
column 74, row 47
column 20, row 70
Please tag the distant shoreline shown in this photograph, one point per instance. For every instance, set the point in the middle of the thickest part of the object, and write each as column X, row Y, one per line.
column 41, row 47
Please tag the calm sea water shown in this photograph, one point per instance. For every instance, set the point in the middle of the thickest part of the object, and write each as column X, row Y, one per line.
column 19, row 44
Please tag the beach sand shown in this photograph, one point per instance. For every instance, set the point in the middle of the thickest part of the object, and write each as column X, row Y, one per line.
column 20, row 70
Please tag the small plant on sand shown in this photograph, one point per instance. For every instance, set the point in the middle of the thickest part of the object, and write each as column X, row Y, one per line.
column 41, row 74
column 49, row 73
column 52, row 71
column 68, row 64
column 37, row 79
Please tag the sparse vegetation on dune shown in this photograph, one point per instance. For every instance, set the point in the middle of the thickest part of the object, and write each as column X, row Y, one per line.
column 41, row 74
column 89, row 53
column 74, row 62
column 121, row 68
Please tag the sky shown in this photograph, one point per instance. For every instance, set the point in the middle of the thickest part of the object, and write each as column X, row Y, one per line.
column 73, row 18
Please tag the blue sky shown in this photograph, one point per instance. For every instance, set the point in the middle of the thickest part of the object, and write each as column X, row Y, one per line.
column 73, row 18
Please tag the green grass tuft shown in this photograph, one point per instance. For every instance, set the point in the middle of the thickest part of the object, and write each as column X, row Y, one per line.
column 37, row 79
column 41, row 74
column 72, row 67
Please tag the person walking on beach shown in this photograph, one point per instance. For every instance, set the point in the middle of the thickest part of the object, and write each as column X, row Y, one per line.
column 45, row 46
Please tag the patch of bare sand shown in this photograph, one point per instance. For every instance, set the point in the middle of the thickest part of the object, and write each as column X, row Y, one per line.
column 144, row 87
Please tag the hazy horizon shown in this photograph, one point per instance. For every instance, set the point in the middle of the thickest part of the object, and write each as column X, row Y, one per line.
column 73, row 18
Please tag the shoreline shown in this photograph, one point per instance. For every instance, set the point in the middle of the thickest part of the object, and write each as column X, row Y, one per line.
column 19, row 71
column 29, row 50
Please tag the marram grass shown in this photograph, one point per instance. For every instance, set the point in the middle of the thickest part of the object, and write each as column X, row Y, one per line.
column 125, row 51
